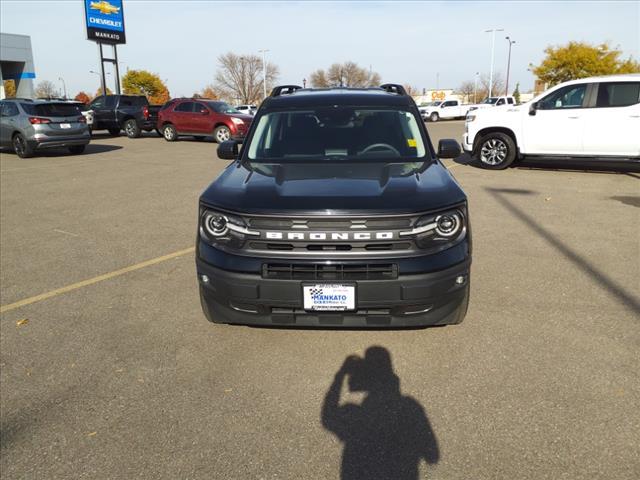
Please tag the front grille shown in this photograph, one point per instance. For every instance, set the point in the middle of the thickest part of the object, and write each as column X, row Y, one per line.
column 313, row 271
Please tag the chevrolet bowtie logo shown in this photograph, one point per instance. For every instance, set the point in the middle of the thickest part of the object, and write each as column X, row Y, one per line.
column 104, row 7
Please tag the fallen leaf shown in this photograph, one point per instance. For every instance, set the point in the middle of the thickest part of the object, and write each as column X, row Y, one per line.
column 547, row 199
column 228, row 390
column 24, row 321
column 120, row 370
column 91, row 434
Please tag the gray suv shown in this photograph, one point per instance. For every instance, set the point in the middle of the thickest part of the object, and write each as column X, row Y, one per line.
column 31, row 125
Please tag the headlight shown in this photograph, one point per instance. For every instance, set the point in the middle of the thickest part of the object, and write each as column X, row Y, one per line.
column 218, row 228
column 470, row 118
column 237, row 121
column 439, row 230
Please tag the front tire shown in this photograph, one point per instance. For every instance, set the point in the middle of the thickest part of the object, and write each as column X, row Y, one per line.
column 496, row 151
column 132, row 129
column 21, row 146
column 221, row 134
column 434, row 117
column 77, row 149
column 169, row 133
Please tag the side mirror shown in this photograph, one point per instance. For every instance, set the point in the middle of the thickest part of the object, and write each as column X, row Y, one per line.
column 204, row 111
column 228, row 150
column 448, row 148
column 533, row 108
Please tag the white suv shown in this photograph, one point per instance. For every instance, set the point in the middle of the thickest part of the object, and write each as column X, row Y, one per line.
column 594, row 118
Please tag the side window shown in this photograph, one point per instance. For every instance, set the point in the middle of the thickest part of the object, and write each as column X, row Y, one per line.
column 9, row 109
column 450, row 103
column 97, row 103
column 500, row 102
column 618, row 94
column 184, row 107
column 200, row 108
column 111, row 102
column 570, row 96
column 510, row 101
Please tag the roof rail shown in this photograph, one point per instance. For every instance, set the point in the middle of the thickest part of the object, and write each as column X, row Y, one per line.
column 22, row 99
column 284, row 89
column 393, row 88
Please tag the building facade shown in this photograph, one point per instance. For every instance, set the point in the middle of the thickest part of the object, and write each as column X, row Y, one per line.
column 16, row 63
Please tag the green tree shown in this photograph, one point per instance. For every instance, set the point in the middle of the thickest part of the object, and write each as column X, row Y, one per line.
column 516, row 93
column 99, row 92
column 141, row 82
column 580, row 60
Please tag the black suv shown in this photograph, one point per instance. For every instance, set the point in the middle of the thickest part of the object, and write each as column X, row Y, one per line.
column 337, row 213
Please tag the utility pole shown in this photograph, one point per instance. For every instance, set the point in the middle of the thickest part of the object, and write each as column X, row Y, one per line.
column 64, row 87
column 511, row 42
column 493, row 47
column 264, row 71
column 475, row 88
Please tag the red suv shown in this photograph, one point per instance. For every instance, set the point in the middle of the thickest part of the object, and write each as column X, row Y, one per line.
column 200, row 118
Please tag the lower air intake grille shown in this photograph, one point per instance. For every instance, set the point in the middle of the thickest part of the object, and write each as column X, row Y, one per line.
column 311, row 271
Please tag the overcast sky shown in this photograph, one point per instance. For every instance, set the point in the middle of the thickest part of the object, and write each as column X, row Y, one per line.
column 406, row 42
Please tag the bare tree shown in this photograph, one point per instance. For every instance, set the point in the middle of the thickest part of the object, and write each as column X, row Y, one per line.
column 46, row 89
column 466, row 89
column 347, row 74
column 411, row 90
column 239, row 78
column 497, row 88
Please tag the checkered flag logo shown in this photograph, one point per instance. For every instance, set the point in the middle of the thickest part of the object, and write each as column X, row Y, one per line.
column 315, row 291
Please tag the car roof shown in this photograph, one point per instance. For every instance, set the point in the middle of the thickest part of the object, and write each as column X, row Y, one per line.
column 627, row 77
column 37, row 101
column 307, row 97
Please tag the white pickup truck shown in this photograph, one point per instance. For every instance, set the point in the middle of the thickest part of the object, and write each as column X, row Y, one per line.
column 446, row 110
column 493, row 102
column 595, row 120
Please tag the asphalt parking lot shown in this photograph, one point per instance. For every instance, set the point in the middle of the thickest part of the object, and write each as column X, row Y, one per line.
column 120, row 376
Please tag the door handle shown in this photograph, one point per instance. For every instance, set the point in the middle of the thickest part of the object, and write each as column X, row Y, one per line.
column 574, row 118
column 634, row 116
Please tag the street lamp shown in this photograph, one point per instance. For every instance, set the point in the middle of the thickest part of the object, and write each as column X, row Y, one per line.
column 64, row 87
column 264, row 71
column 511, row 42
column 493, row 47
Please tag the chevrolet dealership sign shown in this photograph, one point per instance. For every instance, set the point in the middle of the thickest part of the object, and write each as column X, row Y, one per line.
column 104, row 21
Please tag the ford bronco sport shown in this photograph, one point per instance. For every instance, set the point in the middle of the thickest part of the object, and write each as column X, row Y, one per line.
column 337, row 212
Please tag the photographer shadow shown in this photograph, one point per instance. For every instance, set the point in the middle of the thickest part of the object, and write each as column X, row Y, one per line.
column 388, row 434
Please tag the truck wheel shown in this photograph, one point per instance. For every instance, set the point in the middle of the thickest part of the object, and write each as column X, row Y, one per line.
column 21, row 146
column 169, row 133
column 132, row 129
column 114, row 132
column 222, row 134
column 76, row 149
column 434, row 117
column 496, row 151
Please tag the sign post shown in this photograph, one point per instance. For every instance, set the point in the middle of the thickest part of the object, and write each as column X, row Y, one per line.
column 104, row 21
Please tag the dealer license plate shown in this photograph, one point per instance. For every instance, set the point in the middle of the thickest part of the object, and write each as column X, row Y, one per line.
column 329, row 297
column 65, row 125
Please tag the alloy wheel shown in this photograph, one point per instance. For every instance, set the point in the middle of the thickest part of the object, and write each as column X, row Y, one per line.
column 493, row 152
column 223, row 135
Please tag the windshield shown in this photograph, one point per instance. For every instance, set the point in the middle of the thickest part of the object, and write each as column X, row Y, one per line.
column 336, row 133
column 490, row 100
column 221, row 107
column 51, row 109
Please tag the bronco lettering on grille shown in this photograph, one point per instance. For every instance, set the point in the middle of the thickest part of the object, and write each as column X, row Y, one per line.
column 328, row 235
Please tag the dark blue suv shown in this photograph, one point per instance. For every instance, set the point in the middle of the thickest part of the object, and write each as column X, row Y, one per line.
column 337, row 212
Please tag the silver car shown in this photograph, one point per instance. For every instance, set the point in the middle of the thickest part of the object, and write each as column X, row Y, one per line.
column 32, row 125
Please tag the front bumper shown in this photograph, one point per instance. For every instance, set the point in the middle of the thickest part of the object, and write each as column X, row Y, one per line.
column 467, row 143
column 409, row 301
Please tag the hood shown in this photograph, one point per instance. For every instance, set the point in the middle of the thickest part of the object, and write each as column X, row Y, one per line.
column 333, row 188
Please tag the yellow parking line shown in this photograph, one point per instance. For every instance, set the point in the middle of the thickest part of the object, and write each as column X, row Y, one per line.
column 91, row 281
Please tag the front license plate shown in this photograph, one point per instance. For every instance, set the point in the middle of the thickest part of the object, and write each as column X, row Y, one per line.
column 65, row 125
column 329, row 297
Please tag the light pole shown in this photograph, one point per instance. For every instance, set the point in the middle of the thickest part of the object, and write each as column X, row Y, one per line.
column 264, row 71
column 475, row 88
column 64, row 87
column 102, row 83
column 493, row 47
column 511, row 42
